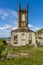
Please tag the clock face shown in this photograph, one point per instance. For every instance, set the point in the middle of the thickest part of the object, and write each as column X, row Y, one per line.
column 23, row 24
column 23, row 17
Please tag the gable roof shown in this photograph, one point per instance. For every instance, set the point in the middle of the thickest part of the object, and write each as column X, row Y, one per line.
column 22, row 30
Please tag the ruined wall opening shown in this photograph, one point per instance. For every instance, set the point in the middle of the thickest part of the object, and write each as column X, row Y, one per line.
column 30, row 38
column 23, row 37
column 15, row 39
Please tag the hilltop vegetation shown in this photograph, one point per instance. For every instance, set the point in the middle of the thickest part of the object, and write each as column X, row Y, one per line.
column 39, row 31
column 24, row 55
column 2, row 46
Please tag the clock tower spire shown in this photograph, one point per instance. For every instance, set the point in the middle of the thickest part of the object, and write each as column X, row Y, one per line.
column 19, row 6
column 23, row 17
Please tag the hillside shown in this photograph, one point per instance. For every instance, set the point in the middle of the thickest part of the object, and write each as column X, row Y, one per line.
column 39, row 31
column 26, row 55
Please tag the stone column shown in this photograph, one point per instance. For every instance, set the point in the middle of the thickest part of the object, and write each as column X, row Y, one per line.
column 19, row 38
column 27, row 38
column 33, row 39
column 12, row 38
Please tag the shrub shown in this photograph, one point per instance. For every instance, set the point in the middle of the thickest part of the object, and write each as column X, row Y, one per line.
column 4, row 53
column 4, row 42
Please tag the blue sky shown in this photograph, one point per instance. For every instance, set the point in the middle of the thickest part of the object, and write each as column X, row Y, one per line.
column 9, row 12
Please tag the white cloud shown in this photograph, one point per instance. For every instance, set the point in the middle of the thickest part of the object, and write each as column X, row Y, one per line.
column 7, row 13
column 14, row 14
column 10, row 16
column 5, row 27
column 30, row 26
column 4, row 16
column 8, row 27
column 14, row 28
column 15, row 23
column 33, row 27
column 0, row 11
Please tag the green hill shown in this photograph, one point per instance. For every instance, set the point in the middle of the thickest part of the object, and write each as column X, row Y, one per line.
column 39, row 31
column 24, row 55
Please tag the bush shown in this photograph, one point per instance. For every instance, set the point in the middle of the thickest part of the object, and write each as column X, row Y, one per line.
column 2, row 47
column 4, row 42
column 4, row 53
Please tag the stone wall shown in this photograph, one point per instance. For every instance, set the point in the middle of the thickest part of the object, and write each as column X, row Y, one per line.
column 19, row 38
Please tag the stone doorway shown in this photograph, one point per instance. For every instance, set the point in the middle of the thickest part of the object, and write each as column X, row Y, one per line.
column 15, row 39
column 23, row 38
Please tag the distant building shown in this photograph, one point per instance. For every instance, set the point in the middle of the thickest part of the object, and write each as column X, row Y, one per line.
column 23, row 35
column 39, row 38
column 41, row 35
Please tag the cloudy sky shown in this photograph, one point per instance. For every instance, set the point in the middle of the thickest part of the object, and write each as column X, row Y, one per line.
column 9, row 15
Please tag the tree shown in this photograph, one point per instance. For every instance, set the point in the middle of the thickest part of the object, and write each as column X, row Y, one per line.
column 2, row 47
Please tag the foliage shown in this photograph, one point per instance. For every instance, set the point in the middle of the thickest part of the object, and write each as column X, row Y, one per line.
column 4, row 53
column 35, row 56
column 2, row 47
column 39, row 31
column 1, row 39
column 4, row 42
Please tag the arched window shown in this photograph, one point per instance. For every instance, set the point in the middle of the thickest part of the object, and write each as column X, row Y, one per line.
column 15, row 39
column 23, row 17
column 23, row 36
column 23, row 39
column 30, row 36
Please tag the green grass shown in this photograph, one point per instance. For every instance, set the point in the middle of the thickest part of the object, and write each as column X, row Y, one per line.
column 35, row 56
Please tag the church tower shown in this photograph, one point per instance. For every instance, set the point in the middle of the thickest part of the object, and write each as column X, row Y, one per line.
column 22, row 35
column 22, row 17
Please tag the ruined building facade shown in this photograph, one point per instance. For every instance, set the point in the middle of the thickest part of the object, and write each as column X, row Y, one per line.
column 23, row 35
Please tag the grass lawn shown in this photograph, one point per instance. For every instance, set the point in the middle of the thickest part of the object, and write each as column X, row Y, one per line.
column 25, row 56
